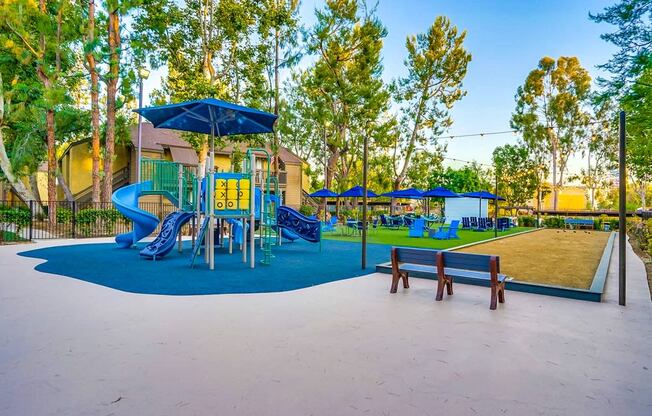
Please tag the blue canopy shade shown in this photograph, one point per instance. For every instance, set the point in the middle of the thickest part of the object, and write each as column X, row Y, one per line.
column 200, row 115
column 483, row 195
column 358, row 192
column 405, row 193
column 440, row 192
column 324, row 193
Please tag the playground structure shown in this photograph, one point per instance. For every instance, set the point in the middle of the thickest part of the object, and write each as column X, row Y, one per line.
column 229, row 205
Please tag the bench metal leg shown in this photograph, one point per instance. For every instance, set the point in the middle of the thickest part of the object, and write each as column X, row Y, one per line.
column 494, row 298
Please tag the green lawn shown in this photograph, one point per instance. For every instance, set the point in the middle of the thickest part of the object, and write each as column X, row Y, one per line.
column 400, row 237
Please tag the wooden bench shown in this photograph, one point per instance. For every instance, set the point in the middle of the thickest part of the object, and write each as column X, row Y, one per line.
column 447, row 265
column 578, row 222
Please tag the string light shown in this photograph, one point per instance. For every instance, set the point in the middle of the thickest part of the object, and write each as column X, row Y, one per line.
column 482, row 134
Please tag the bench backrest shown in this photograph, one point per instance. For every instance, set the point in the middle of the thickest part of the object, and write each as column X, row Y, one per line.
column 578, row 221
column 422, row 256
column 469, row 261
column 452, row 259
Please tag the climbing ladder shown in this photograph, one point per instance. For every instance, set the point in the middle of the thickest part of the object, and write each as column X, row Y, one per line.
column 268, row 221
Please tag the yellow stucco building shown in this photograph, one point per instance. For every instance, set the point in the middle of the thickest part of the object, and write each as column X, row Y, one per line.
column 570, row 198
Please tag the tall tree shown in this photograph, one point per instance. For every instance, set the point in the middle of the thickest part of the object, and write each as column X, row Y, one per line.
column 600, row 149
column 90, row 52
column 112, row 76
column 278, row 27
column 637, row 104
column 631, row 82
column 345, row 80
column 42, row 35
column 211, row 49
column 550, row 112
column 8, row 171
column 517, row 174
column 633, row 37
column 437, row 63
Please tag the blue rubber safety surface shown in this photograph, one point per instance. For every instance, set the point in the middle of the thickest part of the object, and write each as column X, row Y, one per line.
column 295, row 265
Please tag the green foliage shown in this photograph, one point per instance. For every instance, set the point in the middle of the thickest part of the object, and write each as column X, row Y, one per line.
column 307, row 210
column 550, row 113
column 90, row 219
column 632, row 37
column 518, row 174
column 19, row 216
column 64, row 215
column 469, row 178
column 553, row 222
column 527, row 221
column 436, row 64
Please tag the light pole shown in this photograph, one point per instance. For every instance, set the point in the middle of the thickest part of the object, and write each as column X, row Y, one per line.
column 622, row 213
column 143, row 74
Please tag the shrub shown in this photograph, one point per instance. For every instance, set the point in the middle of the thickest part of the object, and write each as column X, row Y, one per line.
column 553, row 222
column 526, row 221
column 19, row 216
column 307, row 210
column 64, row 215
column 103, row 219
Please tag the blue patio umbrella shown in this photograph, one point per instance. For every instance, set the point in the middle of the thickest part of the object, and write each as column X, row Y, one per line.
column 440, row 192
column 483, row 195
column 405, row 193
column 358, row 192
column 324, row 193
column 209, row 116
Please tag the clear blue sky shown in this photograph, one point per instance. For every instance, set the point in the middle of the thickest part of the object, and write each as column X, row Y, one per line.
column 506, row 39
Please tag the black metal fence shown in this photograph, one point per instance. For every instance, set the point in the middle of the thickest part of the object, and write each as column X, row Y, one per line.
column 20, row 221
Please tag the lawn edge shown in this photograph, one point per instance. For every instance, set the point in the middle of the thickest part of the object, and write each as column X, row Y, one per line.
column 492, row 239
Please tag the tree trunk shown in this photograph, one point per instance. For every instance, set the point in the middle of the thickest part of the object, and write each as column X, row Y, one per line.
column 33, row 184
column 202, row 158
column 64, row 186
column 111, row 92
column 95, row 106
column 52, row 166
column 276, row 94
column 554, row 178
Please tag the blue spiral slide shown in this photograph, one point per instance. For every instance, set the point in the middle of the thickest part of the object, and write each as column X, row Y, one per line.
column 125, row 200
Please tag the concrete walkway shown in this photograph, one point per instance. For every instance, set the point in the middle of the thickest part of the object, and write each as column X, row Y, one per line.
column 68, row 347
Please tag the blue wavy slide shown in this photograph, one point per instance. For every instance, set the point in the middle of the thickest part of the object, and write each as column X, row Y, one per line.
column 166, row 239
column 298, row 224
column 125, row 200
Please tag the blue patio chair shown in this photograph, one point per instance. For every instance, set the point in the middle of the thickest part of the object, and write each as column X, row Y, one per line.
column 408, row 220
column 473, row 222
column 466, row 223
column 417, row 227
column 396, row 221
column 490, row 223
column 447, row 232
column 482, row 224
column 330, row 226
column 374, row 224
